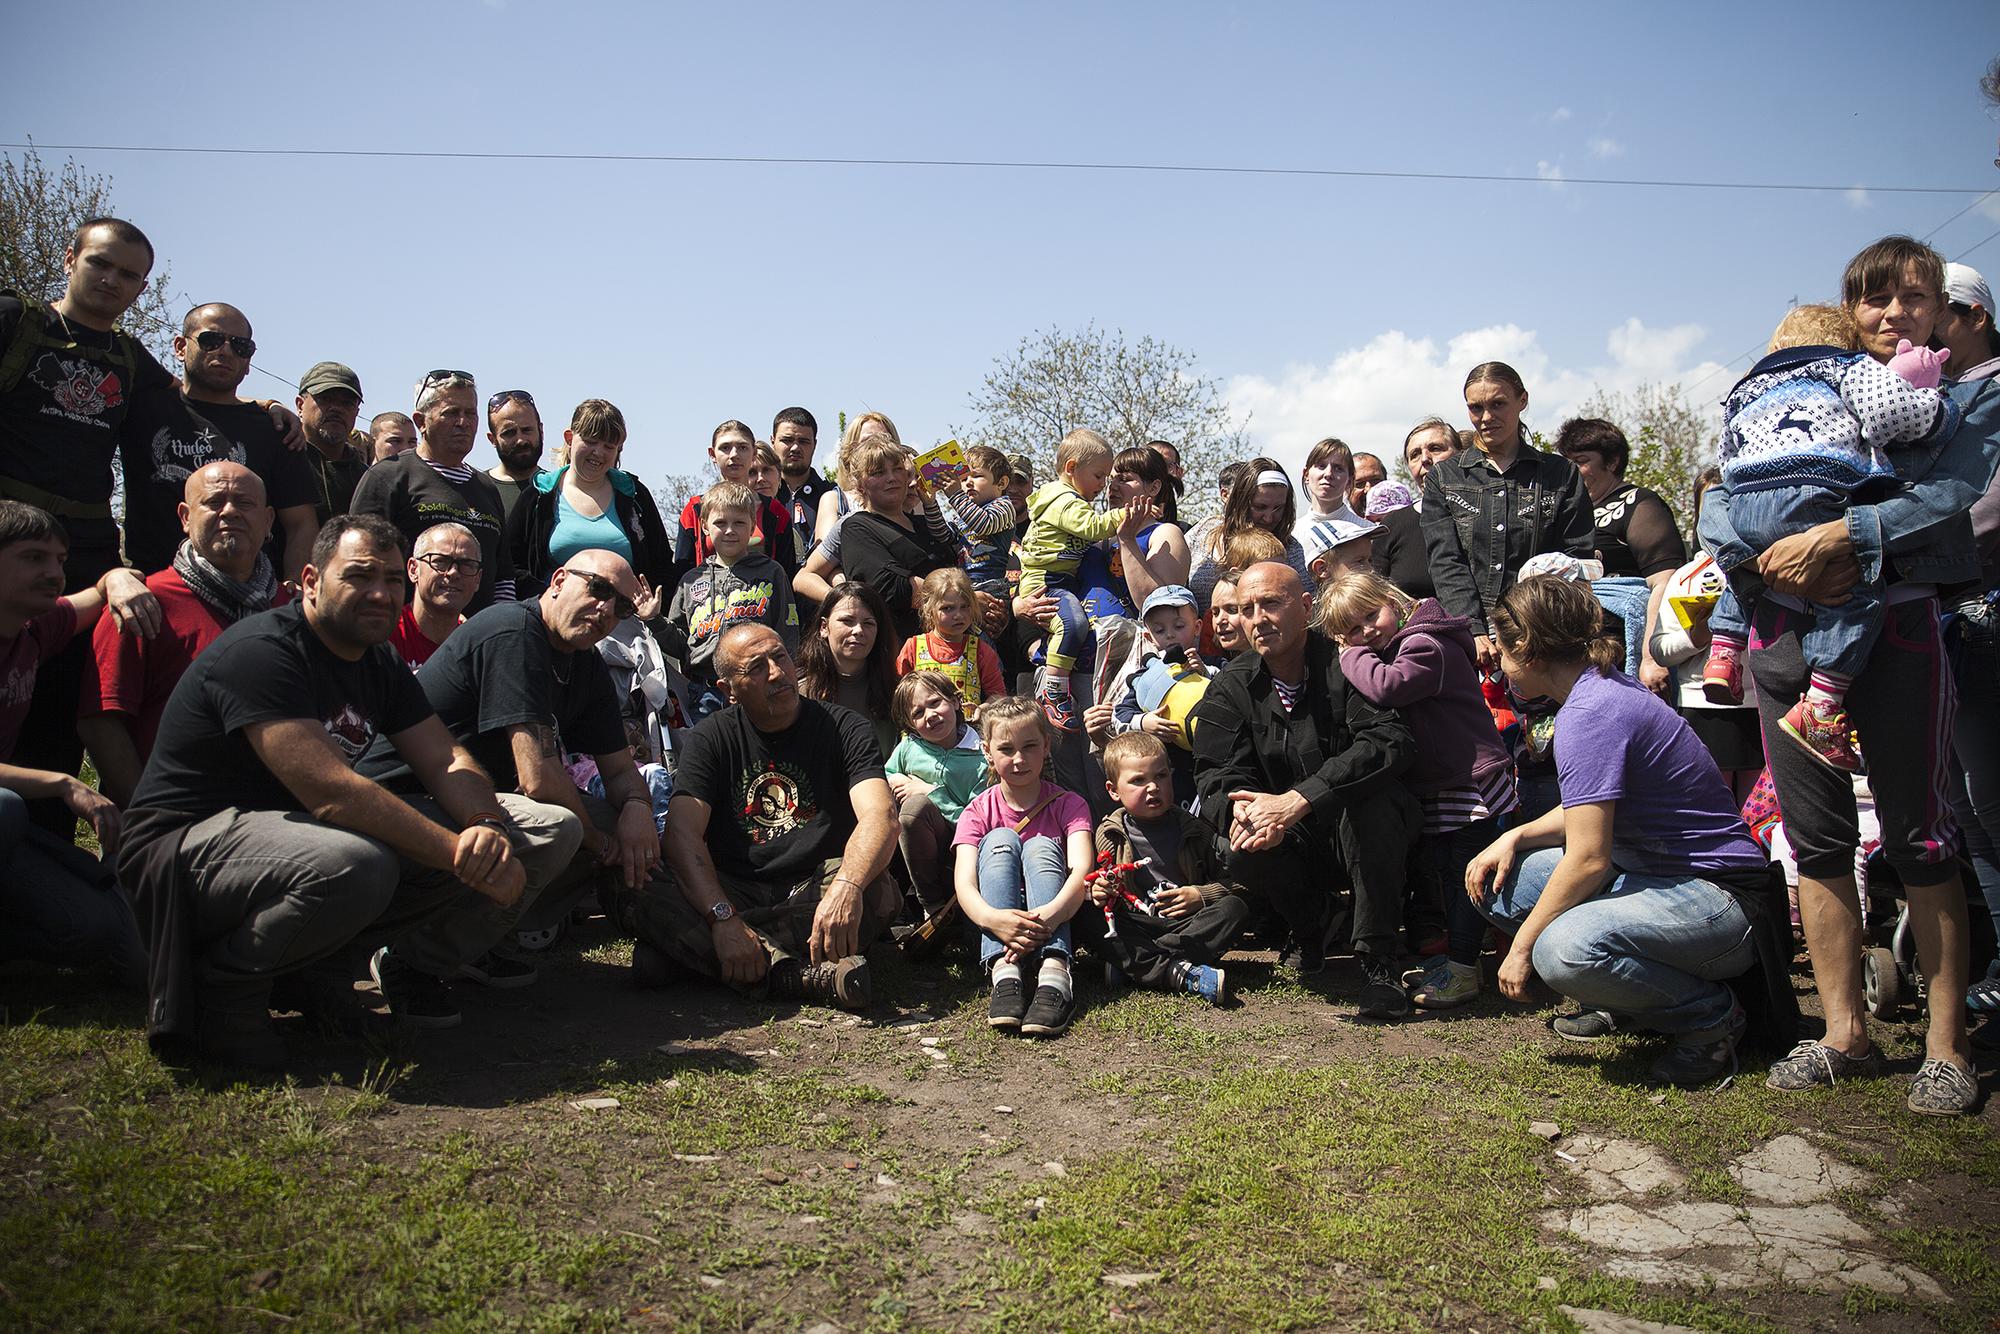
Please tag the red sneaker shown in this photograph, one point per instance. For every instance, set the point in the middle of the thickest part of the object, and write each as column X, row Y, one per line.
column 1823, row 729
column 1722, row 678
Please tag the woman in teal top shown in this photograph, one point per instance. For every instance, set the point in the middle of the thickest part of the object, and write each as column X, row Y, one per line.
column 590, row 504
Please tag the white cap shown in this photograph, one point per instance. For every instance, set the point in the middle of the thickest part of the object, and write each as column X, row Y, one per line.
column 1964, row 286
column 1326, row 534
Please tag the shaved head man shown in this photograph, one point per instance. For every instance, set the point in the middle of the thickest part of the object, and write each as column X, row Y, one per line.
column 390, row 434
column 1302, row 772
column 219, row 576
column 444, row 574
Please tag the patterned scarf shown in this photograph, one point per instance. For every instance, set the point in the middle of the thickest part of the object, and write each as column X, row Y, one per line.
column 231, row 599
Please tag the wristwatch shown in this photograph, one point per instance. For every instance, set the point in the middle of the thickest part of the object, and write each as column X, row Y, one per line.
column 722, row 911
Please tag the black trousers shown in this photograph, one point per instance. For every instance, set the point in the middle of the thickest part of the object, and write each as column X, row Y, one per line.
column 1154, row 951
column 1370, row 838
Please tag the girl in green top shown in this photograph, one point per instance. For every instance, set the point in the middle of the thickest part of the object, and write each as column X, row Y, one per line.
column 936, row 768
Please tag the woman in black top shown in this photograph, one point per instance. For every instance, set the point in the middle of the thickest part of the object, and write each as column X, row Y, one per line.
column 883, row 547
column 1637, row 537
column 847, row 658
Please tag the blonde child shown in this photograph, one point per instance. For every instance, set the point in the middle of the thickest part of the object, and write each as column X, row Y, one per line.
column 1157, row 698
column 1185, row 917
column 950, row 644
column 934, row 771
column 1418, row 659
column 1061, row 522
column 732, row 584
column 1024, row 853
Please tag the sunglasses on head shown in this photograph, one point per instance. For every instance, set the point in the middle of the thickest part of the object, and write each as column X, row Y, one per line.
column 604, row 591
column 210, row 339
column 506, row 396
column 441, row 377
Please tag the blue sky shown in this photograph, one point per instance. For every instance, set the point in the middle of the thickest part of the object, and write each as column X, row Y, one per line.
column 691, row 293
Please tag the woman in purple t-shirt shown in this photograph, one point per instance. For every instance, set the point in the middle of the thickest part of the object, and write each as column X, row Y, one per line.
column 1630, row 896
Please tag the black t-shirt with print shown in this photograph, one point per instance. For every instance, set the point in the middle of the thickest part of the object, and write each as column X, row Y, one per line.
column 411, row 494
column 778, row 803
column 83, row 397
column 181, row 443
column 498, row 671
column 265, row 668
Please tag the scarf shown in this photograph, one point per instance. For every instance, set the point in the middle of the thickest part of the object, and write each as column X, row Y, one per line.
column 231, row 599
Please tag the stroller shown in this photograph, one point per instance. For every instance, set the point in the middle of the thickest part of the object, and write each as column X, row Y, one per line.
column 1890, row 971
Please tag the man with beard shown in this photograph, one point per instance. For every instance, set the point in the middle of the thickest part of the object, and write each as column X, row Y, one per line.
column 444, row 574
column 514, row 426
column 254, row 850
column 214, row 348
column 329, row 401
column 794, row 435
column 433, row 484
column 519, row 686
column 1368, row 474
column 219, row 575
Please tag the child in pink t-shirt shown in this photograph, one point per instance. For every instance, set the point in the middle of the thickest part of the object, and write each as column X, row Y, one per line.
column 1024, row 850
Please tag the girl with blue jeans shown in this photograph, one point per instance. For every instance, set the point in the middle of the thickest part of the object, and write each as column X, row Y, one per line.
column 1629, row 896
column 1024, row 852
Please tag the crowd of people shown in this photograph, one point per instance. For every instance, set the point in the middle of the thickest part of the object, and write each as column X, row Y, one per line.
column 357, row 704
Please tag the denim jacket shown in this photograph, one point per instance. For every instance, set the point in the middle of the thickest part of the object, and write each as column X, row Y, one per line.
column 1925, row 525
column 1481, row 526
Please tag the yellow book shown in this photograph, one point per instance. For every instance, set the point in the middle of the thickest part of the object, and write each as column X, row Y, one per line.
column 944, row 465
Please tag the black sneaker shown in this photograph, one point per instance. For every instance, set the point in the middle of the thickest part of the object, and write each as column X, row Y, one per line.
column 1303, row 958
column 1693, row 1065
column 651, row 968
column 837, row 982
column 235, row 1029
column 1008, row 1004
column 1382, row 995
column 1049, row 1013
column 323, row 995
column 1584, row 1026
column 417, row 999
column 496, row 970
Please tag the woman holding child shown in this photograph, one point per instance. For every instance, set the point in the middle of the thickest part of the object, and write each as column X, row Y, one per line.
column 1914, row 540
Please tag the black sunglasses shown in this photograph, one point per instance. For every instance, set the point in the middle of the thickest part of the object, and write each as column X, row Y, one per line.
column 506, row 396
column 604, row 591
column 210, row 339
column 441, row 377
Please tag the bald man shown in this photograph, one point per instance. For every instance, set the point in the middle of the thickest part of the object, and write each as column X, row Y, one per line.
column 444, row 574
column 220, row 574
column 520, row 685
column 779, row 835
column 1301, row 771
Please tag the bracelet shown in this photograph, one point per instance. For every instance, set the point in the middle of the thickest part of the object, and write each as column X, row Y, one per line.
column 848, row 878
column 492, row 820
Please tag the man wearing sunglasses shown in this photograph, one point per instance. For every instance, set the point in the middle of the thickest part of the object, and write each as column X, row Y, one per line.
column 214, row 348
column 433, row 484
column 521, row 686
column 444, row 574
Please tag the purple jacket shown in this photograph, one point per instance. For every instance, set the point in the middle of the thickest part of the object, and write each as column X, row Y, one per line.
column 1426, row 672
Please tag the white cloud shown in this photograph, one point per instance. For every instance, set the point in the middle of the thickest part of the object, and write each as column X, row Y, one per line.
column 1551, row 172
column 1603, row 146
column 1559, row 115
column 1370, row 395
column 1857, row 198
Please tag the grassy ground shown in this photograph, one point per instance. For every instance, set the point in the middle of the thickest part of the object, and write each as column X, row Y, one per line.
column 1274, row 1165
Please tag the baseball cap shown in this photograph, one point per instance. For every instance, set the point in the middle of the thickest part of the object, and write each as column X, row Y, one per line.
column 326, row 375
column 1326, row 534
column 1168, row 595
column 1966, row 286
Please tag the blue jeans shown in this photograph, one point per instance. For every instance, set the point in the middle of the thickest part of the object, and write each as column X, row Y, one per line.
column 61, row 905
column 1653, row 950
column 1021, row 876
column 1839, row 639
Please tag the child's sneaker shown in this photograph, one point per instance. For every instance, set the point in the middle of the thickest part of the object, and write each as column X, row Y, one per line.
column 1823, row 729
column 1049, row 1013
column 1208, row 983
column 1052, row 693
column 1722, row 678
column 1445, row 985
column 1008, row 1004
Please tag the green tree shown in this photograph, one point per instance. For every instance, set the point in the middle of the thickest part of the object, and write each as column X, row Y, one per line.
column 40, row 209
column 1671, row 439
column 1057, row 380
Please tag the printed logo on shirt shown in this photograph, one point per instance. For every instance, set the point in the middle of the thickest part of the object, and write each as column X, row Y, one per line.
column 83, row 390
column 711, row 615
column 777, row 799
column 176, row 456
column 350, row 731
column 17, row 687
column 440, row 511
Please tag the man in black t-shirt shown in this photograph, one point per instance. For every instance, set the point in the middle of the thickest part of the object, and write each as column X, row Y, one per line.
column 215, row 347
column 432, row 483
column 778, row 837
column 244, row 846
column 519, row 686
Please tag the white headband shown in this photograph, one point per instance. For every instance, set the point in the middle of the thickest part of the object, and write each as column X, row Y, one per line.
column 1272, row 477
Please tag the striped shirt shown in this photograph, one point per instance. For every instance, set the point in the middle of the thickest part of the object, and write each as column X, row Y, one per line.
column 503, row 589
column 1455, row 807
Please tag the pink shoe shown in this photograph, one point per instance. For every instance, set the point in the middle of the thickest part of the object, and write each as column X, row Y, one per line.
column 1823, row 729
column 1722, row 678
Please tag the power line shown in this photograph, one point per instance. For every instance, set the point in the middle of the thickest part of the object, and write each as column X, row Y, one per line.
column 997, row 164
column 1956, row 216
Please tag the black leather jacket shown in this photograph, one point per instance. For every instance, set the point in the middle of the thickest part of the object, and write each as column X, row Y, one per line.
column 1481, row 526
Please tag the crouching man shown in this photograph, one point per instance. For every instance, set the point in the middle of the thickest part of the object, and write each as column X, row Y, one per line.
column 254, row 850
